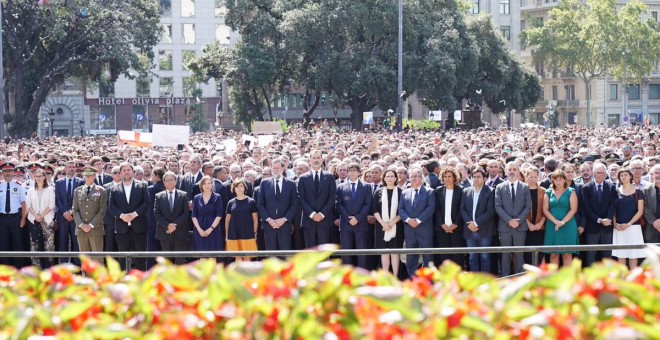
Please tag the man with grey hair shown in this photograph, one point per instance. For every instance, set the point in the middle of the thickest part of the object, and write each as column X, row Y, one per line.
column 599, row 198
column 637, row 168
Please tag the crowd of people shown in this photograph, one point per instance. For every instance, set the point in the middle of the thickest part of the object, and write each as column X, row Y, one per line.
column 361, row 190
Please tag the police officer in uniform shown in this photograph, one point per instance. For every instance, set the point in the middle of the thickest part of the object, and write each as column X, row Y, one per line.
column 90, row 202
column 12, row 199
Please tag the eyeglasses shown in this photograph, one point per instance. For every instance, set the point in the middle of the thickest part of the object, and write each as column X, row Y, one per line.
column 115, row 172
column 637, row 168
column 547, row 153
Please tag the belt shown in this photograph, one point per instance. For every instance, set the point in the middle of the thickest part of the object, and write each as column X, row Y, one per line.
column 12, row 214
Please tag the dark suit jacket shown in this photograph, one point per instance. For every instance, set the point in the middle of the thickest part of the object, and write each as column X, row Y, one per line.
column 322, row 201
column 61, row 200
column 594, row 208
column 440, row 195
column 187, row 184
column 432, row 180
column 650, row 201
column 580, row 217
column 498, row 180
column 139, row 203
column 508, row 210
column 153, row 190
column 105, row 179
column 108, row 219
column 271, row 207
column 422, row 208
column 360, row 207
column 484, row 215
column 179, row 215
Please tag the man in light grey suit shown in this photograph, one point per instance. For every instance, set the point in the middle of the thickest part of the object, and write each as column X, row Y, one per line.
column 651, row 211
column 512, row 204
column 416, row 208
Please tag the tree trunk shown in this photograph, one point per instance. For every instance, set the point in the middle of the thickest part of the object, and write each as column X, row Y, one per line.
column 270, row 109
column 587, row 85
column 307, row 113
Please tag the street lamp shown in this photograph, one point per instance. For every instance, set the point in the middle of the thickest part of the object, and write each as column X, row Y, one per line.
column 399, row 87
column 51, row 116
column 46, row 125
column 82, row 127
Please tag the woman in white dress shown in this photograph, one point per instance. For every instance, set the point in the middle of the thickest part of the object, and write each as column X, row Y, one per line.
column 629, row 210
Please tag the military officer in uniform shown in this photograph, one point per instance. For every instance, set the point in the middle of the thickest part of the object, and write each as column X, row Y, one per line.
column 90, row 202
column 12, row 199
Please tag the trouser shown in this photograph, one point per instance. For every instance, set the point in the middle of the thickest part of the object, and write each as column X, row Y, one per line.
column 450, row 240
column 171, row 243
column 278, row 239
column 11, row 239
column 479, row 262
column 132, row 241
column 351, row 238
column 317, row 234
column 511, row 238
column 420, row 237
column 42, row 238
column 601, row 237
column 68, row 240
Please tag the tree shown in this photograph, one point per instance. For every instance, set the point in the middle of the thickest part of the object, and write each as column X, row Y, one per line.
column 48, row 41
column 589, row 38
column 502, row 81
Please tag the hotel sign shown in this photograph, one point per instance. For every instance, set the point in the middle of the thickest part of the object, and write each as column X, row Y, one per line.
column 145, row 101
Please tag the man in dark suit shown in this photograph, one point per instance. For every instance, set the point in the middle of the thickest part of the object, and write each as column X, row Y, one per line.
column 317, row 191
column 432, row 180
column 513, row 203
column 599, row 197
column 153, row 244
column 110, row 239
column 101, row 177
column 651, row 210
column 172, row 214
column 187, row 182
column 129, row 202
column 64, row 189
column 277, row 203
column 416, row 209
column 493, row 170
column 354, row 204
column 477, row 212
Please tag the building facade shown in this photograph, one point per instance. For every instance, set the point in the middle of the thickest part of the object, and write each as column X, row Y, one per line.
column 613, row 103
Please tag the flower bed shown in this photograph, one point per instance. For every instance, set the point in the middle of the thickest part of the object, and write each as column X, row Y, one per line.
column 311, row 298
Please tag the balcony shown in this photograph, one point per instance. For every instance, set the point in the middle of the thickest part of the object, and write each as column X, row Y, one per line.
column 568, row 103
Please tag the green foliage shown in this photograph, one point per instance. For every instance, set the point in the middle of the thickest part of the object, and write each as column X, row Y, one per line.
column 197, row 118
column 46, row 43
column 311, row 297
column 593, row 38
column 422, row 125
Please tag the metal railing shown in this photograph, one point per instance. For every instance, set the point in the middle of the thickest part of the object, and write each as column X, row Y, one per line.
column 535, row 250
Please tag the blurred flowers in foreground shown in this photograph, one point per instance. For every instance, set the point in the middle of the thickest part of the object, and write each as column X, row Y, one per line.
column 310, row 297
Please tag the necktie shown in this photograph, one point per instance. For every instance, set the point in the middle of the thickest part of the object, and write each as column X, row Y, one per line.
column 277, row 189
column 7, row 201
column 99, row 181
column 415, row 196
column 69, row 191
column 599, row 191
column 352, row 191
column 88, row 190
column 513, row 193
column 316, row 181
column 171, row 200
column 491, row 183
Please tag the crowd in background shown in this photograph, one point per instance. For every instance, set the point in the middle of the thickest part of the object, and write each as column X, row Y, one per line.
column 360, row 190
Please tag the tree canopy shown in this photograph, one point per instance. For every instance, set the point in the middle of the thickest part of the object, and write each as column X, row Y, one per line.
column 47, row 41
column 348, row 50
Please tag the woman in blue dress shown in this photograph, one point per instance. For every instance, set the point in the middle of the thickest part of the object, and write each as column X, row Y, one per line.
column 241, row 221
column 627, row 215
column 206, row 216
column 559, row 206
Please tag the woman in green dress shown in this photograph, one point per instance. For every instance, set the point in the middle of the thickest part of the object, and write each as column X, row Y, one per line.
column 559, row 207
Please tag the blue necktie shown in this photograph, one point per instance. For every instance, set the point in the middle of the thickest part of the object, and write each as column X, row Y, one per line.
column 352, row 191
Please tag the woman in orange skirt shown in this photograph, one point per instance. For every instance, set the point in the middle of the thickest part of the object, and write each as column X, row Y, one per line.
column 241, row 221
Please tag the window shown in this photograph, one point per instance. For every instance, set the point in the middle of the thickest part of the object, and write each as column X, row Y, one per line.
column 142, row 84
column 474, row 7
column 614, row 92
column 654, row 91
column 106, row 87
column 165, row 8
column 186, row 57
column 166, row 37
column 555, row 92
column 166, row 86
column 523, row 25
column 165, row 60
column 189, row 87
column 570, row 92
column 140, row 118
column 539, row 69
column 505, row 6
column 188, row 34
column 187, row 8
column 220, row 8
column 102, row 118
column 222, row 34
column 506, row 32
column 654, row 15
column 633, row 91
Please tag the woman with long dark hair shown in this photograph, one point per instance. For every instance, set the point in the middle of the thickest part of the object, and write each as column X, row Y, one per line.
column 40, row 204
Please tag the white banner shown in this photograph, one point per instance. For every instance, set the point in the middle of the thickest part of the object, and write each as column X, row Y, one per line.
column 170, row 135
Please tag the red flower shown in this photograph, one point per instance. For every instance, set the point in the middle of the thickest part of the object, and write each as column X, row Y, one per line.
column 454, row 320
column 270, row 326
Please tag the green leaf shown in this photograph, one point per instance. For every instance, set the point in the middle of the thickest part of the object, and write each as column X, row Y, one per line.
column 114, row 270
column 74, row 309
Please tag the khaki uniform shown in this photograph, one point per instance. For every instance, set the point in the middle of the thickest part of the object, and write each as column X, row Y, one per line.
column 90, row 209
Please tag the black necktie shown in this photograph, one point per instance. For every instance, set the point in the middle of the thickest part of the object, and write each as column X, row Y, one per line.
column 599, row 191
column 69, row 192
column 7, row 201
column 171, row 200
column 353, row 192
column 88, row 190
column 277, row 189
column 415, row 196
column 513, row 193
column 317, row 181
